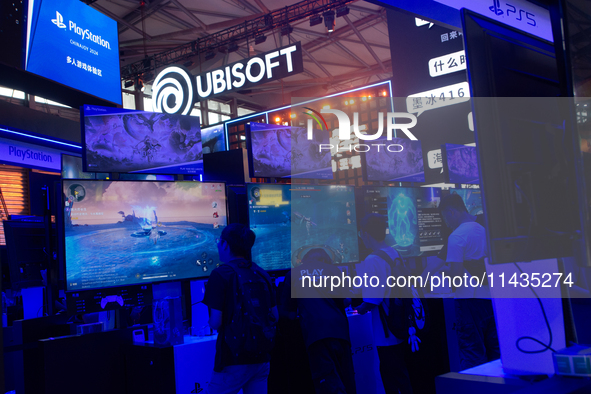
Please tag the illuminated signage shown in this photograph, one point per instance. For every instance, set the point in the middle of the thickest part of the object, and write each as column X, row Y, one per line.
column 75, row 45
column 175, row 90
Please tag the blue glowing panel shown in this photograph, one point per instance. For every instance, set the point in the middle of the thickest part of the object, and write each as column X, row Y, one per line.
column 128, row 232
column 118, row 140
column 285, row 152
column 213, row 139
column 462, row 164
column 414, row 222
column 324, row 217
column 399, row 160
column 75, row 45
column 289, row 220
column 269, row 216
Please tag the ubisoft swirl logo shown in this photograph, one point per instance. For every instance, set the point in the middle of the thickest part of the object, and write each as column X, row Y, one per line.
column 173, row 83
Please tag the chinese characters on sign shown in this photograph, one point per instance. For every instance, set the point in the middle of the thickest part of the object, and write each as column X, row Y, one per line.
column 84, row 66
column 447, row 64
column 452, row 35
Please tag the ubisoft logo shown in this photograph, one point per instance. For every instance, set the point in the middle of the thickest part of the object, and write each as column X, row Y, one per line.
column 172, row 83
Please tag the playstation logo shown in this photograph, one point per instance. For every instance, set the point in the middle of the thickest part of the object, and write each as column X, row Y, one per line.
column 59, row 20
column 496, row 8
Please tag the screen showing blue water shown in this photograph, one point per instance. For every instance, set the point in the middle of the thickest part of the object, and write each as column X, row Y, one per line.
column 74, row 44
column 128, row 232
column 289, row 220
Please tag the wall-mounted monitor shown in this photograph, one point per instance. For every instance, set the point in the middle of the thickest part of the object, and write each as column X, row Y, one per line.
column 277, row 151
column 119, row 140
column 130, row 232
column 289, row 220
column 460, row 163
column 72, row 168
column 213, row 139
column 72, row 43
column 398, row 160
column 414, row 223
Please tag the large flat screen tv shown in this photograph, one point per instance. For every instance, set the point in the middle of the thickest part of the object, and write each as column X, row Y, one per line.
column 399, row 160
column 129, row 232
column 289, row 220
column 277, row 151
column 414, row 223
column 119, row 140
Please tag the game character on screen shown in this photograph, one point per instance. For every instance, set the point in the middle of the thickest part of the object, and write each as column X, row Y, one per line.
column 390, row 349
column 242, row 307
column 402, row 210
column 466, row 250
column 324, row 324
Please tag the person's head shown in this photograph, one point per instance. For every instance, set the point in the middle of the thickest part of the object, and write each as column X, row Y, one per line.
column 373, row 230
column 453, row 211
column 236, row 241
column 317, row 255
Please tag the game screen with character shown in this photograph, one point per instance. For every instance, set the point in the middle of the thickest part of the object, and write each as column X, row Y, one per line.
column 414, row 223
column 286, row 152
column 472, row 199
column 462, row 164
column 213, row 139
column 398, row 160
column 128, row 232
column 289, row 220
column 119, row 140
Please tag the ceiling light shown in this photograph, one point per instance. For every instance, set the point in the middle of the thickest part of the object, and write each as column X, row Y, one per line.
column 293, row 116
column 277, row 119
column 329, row 20
column 285, row 30
column 342, row 11
column 326, row 107
column 260, row 39
column 351, row 101
column 315, row 20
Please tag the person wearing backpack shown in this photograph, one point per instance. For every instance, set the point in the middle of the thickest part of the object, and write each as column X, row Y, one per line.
column 242, row 307
column 324, row 323
column 390, row 348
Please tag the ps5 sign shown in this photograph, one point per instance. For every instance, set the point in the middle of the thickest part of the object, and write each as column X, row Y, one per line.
column 175, row 90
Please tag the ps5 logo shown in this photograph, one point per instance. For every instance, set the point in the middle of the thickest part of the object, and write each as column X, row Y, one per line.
column 518, row 13
column 345, row 129
column 59, row 20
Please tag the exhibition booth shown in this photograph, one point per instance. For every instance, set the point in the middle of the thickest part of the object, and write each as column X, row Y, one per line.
column 112, row 226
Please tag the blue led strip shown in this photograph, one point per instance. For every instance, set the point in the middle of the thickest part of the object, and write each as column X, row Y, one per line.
column 41, row 138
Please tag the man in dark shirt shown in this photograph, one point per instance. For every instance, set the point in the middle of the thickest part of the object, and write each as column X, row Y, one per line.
column 243, row 370
column 324, row 324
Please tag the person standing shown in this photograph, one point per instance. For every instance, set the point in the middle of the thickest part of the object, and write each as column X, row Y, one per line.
column 324, row 323
column 466, row 250
column 242, row 307
column 390, row 349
